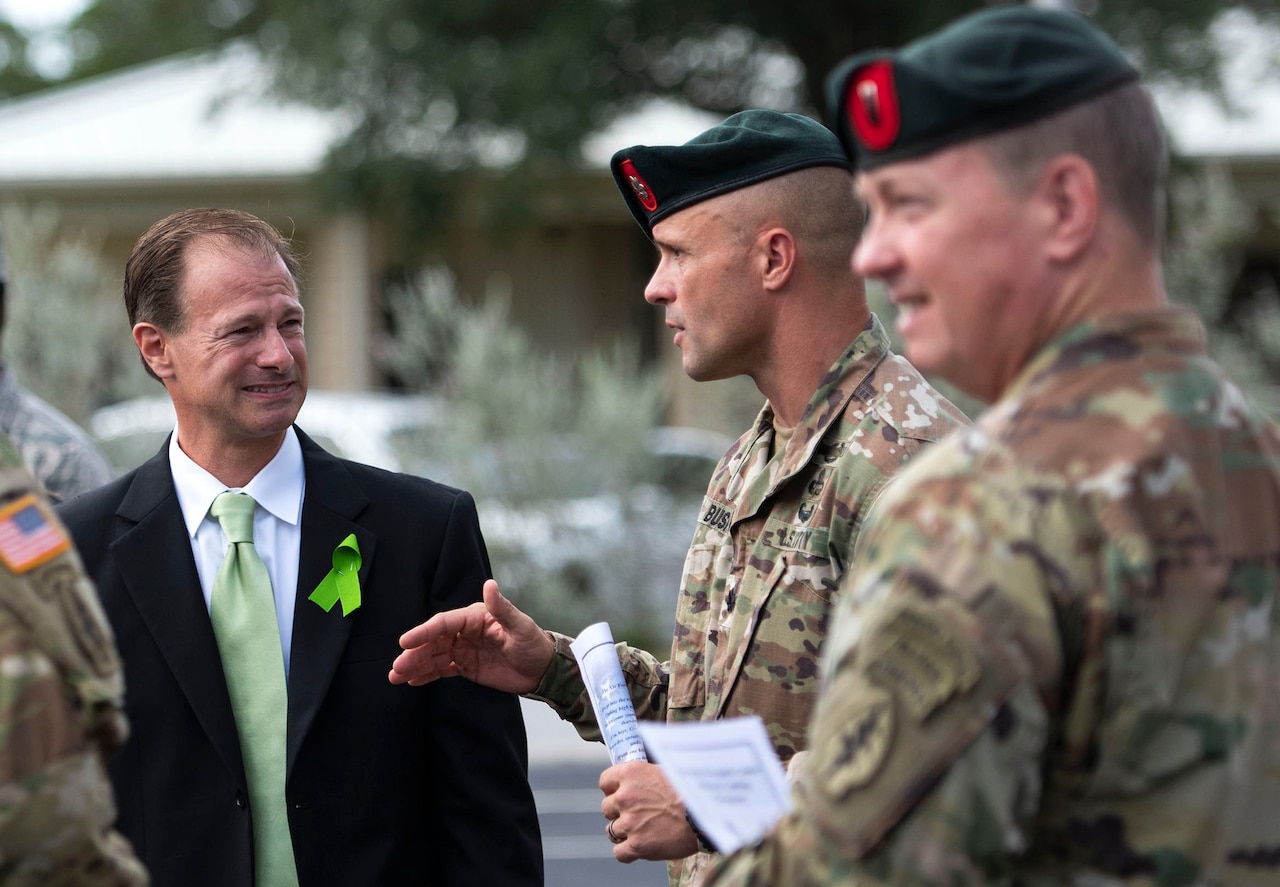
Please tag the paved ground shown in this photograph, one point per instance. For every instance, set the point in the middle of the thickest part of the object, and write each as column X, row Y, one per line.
column 563, row 771
column 552, row 741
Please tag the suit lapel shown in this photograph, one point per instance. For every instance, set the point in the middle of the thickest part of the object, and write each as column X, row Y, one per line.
column 159, row 573
column 329, row 508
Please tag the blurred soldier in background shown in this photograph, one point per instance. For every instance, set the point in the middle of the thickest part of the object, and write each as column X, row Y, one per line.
column 63, row 458
column 61, row 707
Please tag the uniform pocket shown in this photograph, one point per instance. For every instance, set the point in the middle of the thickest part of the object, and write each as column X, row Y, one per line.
column 688, row 691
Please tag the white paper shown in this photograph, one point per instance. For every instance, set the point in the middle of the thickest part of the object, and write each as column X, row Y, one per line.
column 598, row 661
column 727, row 774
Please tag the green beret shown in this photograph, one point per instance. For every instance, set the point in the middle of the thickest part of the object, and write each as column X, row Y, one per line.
column 987, row 72
column 748, row 147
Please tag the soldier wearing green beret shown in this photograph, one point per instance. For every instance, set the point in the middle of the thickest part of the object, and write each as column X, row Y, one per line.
column 755, row 221
column 61, row 704
column 1057, row 659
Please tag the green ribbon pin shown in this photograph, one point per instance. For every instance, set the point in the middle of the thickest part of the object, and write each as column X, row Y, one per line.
column 343, row 581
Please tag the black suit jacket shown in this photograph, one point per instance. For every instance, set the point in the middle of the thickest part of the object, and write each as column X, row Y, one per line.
column 387, row 785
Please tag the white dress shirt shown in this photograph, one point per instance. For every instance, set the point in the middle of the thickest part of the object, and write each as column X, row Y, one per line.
column 277, row 523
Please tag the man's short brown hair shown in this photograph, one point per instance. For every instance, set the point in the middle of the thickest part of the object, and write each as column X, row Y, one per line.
column 1118, row 133
column 154, row 272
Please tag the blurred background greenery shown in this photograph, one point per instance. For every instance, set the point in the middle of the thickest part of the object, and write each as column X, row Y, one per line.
column 433, row 89
column 436, row 87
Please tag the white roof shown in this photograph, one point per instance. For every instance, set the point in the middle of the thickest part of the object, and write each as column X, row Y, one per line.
column 188, row 117
column 208, row 116
column 657, row 122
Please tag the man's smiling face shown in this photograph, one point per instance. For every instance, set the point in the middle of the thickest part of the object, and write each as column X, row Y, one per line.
column 237, row 371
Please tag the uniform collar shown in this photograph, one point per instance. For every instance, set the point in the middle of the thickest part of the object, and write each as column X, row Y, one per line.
column 1174, row 329
column 842, row 383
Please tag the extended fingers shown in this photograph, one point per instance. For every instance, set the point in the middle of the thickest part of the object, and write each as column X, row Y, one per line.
column 422, row 665
column 445, row 625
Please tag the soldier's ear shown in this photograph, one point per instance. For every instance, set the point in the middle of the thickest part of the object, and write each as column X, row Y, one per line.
column 153, row 345
column 778, row 258
column 1070, row 197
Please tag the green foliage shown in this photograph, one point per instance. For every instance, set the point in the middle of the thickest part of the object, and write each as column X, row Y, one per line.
column 1209, row 222
column 620, row 403
column 114, row 34
column 505, row 396
column 65, row 334
column 498, row 384
column 17, row 75
column 425, row 323
column 437, row 87
column 1168, row 37
column 541, row 440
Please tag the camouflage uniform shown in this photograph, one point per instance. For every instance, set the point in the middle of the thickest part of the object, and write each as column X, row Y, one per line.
column 61, row 697
column 1057, row 660
column 62, row 457
column 774, row 538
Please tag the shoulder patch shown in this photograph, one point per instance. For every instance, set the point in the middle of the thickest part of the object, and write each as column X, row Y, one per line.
column 922, row 659
column 29, row 534
column 863, row 745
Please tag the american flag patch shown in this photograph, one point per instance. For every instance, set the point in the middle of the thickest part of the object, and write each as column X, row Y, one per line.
column 28, row 535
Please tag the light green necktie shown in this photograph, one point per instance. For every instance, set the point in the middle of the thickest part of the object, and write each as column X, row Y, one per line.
column 243, row 611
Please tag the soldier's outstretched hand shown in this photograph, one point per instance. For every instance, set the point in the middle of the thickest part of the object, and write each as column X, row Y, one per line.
column 492, row 643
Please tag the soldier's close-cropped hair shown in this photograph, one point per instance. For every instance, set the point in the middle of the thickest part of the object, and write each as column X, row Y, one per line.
column 1118, row 133
column 817, row 205
column 153, row 275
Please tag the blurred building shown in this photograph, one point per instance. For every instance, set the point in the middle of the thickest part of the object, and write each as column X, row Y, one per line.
column 1239, row 132
column 120, row 151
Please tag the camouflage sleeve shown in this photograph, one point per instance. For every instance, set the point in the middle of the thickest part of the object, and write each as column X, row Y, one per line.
column 61, row 456
column 928, row 738
column 60, row 709
column 70, row 469
column 562, row 687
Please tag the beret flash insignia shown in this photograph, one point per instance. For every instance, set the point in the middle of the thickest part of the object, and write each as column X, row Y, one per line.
column 641, row 188
column 872, row 105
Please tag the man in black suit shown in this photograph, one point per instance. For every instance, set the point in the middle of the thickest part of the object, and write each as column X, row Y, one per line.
column 383, row 785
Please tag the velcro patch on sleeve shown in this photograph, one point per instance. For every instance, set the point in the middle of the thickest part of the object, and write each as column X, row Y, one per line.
column 920, row 658
column 897, row 711
column 29, row 534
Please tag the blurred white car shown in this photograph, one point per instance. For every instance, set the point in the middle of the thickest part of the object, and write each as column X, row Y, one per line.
column 354, row 425
column 580, row 553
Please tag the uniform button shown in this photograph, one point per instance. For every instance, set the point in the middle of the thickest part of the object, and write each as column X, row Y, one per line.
column 240, row 801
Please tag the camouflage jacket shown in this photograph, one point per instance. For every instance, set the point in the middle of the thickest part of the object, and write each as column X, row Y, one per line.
column 63, row 458
column 60, row 704
column 1059, row 659
column 775, row 536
